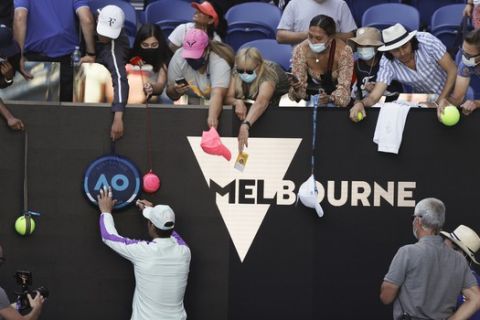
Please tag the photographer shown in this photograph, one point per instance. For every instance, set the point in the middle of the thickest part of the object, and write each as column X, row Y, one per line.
column 8, row 311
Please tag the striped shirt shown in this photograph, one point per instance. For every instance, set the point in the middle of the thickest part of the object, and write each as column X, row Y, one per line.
column 161, row 272
column 429, row 76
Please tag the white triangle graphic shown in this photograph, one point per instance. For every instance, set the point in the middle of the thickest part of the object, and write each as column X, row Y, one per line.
column 269, row 159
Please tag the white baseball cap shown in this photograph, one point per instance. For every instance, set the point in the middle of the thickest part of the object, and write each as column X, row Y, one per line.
column 110, row 21
column 308, row 195
column 161, row 216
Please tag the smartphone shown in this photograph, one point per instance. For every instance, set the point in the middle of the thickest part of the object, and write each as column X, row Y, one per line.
column 291, row 77
column 181, row 81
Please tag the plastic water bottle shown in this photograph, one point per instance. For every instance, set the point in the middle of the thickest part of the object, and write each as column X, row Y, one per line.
column 76, row 56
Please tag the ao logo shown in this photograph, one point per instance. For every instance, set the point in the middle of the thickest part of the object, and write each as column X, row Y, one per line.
column 116, row 172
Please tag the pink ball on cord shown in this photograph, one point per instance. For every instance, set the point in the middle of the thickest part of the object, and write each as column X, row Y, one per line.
column 151, row 182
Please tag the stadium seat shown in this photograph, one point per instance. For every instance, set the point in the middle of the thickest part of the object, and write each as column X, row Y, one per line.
column 446, row 25
column 385, row 15
column 251, row 21
column 273, row 51
column 358, row 7
column 428, row 7
column 130, row 15
column 168, row 14
column 447, row 17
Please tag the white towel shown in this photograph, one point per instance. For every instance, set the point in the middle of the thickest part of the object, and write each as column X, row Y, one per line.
column 390, row 125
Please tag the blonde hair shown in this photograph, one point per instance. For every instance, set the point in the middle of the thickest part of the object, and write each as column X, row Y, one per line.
column 265, row 72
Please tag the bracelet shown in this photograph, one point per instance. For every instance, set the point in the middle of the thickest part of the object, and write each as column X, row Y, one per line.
column 247, row 123
column 91, row 54
column 8, row 81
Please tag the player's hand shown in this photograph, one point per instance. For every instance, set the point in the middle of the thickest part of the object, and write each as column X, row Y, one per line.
column 142, row 203
column 105, row 200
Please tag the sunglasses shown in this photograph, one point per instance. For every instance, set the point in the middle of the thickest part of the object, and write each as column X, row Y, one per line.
column 468, row 56
column 239, row 71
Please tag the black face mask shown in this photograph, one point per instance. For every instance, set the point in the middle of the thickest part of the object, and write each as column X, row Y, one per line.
column 150, row 56
column 15, row 62
column 196, row 63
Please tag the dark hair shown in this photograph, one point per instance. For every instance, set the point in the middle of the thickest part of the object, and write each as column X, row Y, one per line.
column 221, row 29
column 164, row 53
column 414, row 43
column 473, row 38
column 163, row 233
column 324, row 22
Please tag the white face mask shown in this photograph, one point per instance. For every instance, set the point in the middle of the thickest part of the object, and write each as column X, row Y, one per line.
column 366, row 53
column 317, row 47
column 469, row 62
column 475, row 2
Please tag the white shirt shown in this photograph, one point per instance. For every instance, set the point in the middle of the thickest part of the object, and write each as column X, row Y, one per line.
column 298, row 13
column 161, row 272
column 178, row 34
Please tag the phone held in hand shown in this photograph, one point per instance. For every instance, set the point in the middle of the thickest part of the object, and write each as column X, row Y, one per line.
column 181, row 81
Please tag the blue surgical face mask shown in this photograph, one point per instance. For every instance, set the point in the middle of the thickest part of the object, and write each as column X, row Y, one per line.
column 196, row 63
column 469, row 62
column 366, row 53
column 317, row 47
column 248, row 78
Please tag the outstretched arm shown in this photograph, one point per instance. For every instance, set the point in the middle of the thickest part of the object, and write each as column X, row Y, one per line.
column 13, row 123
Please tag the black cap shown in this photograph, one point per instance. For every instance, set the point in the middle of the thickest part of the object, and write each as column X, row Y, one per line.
column 8, row 46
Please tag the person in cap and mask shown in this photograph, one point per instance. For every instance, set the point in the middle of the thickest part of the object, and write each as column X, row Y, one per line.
column 323, row 65
column 468, row 69
column 201, row 70
column 416, row 59
column 257, row 82
column 161, row 265
column 113, row 52
column 294, row 24
column 365, row 46
column 205, row 18
column 466, row 241
column 9, row 64
column 425, row 278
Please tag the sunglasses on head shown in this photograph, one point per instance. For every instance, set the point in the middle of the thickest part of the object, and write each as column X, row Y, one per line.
column 239, row 71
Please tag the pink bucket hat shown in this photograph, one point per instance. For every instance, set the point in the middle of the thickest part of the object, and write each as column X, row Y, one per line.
column 194, row 45
column 211, row 144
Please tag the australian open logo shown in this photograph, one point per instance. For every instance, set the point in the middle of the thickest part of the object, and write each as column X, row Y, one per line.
column 116, row 172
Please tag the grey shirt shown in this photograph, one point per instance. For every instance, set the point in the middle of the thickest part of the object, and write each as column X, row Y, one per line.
column 217, row 74
column 298, row 13
column 430, row 276
column 4, row 302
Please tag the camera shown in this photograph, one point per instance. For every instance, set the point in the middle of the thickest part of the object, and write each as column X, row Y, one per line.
column 25, row 280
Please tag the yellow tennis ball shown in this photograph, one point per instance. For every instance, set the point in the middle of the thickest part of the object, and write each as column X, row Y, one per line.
column 21, row 226
column 360, row 116
column 450, row 116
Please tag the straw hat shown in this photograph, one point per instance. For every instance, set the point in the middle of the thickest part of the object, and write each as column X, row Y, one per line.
column 466, row 239
column 368, row 37
column 395, row 36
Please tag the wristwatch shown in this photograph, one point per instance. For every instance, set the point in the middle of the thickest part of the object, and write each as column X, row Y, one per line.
column 247, row 123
